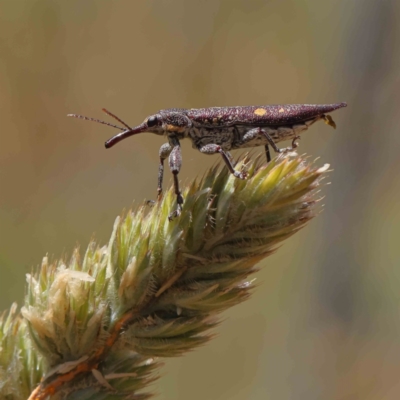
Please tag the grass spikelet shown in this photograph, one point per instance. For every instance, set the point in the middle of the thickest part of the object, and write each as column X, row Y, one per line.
column 100, row 323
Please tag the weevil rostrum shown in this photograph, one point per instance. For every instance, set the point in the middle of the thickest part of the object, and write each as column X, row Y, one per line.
column 221, row 129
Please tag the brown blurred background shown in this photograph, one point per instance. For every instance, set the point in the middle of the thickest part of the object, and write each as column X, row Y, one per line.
column 324, row 322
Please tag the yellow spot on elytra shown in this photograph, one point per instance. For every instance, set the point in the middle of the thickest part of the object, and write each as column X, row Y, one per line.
column 260, row 112
column 281, row 110
column 329, row 121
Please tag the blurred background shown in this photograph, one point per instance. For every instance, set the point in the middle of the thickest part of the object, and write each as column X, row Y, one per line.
column 324, row 322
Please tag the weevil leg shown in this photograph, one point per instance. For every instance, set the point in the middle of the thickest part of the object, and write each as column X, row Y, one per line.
column 254, row 133
column 294, row 142
column 215, row 148
column 275, row 147
column 270, row 141
column 267, row 153
column 164, row 152
column 231, row 159
column 175, row 163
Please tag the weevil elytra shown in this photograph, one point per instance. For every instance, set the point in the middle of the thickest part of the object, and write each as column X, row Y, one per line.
column 221, row 129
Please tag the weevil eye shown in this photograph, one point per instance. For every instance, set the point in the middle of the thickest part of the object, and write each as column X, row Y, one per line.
column 152, row 121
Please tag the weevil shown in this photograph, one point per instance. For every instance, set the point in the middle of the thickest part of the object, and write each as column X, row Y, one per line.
column 221, row 129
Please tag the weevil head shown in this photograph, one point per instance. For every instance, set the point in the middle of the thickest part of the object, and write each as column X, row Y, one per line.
column 168, row 122
column 165, row 122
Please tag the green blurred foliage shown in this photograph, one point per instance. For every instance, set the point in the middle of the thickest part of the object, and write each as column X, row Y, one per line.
column 324, row 320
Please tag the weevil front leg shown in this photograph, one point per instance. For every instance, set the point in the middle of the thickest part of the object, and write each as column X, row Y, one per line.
column 175, row 163
column 215, row 148
column 164, row 152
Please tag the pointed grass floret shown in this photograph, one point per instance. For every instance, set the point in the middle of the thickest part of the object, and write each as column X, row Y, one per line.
column 100, row 322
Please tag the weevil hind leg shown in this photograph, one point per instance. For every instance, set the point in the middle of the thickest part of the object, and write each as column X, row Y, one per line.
column 295, row 145
column 256, row 132
column 253, row 133
column 270, row 141
column 226, row 156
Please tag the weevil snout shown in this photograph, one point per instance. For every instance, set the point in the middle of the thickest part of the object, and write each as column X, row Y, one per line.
column 151, row 124
column 125, row 134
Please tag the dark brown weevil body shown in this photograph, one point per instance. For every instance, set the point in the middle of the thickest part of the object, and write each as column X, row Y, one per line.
column 259, row 115
column 220, row 129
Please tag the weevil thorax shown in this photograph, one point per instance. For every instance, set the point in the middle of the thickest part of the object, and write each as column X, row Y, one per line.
column 173, row 123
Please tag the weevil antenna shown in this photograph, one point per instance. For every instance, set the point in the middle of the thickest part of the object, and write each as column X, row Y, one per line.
column 95, row 120
column 115, row 117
